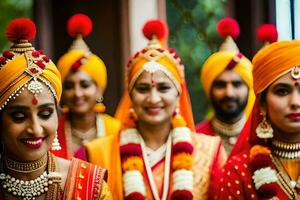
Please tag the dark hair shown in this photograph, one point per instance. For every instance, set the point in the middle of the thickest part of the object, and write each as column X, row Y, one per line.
column 262, row 97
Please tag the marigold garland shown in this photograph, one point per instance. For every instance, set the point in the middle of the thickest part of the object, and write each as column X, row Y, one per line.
column 261, row 162
column 183, row 147
column 133, row 163
column 182, row 161
column 258, row 149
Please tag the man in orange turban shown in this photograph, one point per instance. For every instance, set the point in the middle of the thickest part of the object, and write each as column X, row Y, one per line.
column 227, row 81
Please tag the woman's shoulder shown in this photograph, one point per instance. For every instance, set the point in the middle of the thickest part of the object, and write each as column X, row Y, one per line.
column 98, row 142
column 111, row 119
column 112, row 125
column 81, row 177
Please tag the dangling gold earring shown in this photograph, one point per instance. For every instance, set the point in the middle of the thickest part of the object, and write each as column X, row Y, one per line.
column 55, row 144
column 177, row 119
column 264, row 130
column 99, row 107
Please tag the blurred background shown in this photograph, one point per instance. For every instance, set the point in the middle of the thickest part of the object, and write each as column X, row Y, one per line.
column 117, row 32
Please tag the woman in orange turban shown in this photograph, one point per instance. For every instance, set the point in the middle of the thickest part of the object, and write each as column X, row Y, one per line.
column 84, row 80
column 268, row 167
column 157, row 155
column 30, row 89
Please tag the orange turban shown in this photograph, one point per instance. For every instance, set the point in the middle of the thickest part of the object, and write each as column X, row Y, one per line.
column 152, row 58
column 90, row 64
column 274, row 61
column 22, row 63
column 79, row 56
column 218, row 63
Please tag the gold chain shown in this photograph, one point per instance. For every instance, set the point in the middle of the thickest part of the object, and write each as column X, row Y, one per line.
column 25, row 167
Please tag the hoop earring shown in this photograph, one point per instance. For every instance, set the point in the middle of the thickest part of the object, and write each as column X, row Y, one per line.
column 99, row 107
column 264, row 130
column 177, row 119
column 55, row 144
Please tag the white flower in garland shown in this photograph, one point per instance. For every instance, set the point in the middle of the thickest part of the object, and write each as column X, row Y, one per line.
column 129, row 135
column 264, row 176
column 133, row 182
column 183, row 180
column 181, row 134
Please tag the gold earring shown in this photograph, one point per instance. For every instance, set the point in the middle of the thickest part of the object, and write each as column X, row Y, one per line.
column 55, row 144
column 264, row 130
column 99, row 107
column 177, row 119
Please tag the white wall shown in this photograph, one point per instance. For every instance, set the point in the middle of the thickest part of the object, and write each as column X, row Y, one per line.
column 140, row 11
column 283, row 19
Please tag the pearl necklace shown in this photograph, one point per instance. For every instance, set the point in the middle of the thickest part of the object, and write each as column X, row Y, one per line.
column 29, row 190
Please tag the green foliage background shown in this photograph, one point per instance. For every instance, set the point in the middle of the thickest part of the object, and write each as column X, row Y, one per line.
column 10, row 9
column 192, row 25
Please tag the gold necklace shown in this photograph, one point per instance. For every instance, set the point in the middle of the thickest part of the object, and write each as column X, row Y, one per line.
column 286, row 150
column 284, row 180
column 230, row 130
column 48, row 183
column 286, row 146
column 25, row 167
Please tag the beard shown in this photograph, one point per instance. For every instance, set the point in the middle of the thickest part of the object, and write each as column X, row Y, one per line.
column 229, row 108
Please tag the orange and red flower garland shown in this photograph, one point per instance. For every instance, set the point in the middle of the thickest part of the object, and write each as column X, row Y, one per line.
column 133, row 164
column 264, row 173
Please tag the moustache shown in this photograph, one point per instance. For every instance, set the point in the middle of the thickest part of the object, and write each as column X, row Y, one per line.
column 229, row 100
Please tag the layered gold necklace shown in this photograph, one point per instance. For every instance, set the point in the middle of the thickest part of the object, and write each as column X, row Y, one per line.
column 286, row 150
column 25, row 167
column 48, row 182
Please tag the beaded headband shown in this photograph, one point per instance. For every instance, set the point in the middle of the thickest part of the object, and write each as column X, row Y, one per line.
column 20, row 31
column 155, row 30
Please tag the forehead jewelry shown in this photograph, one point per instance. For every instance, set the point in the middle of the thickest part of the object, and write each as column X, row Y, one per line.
column 35, row 87
column 295, row 73
column 152, row 67
column 35, row 68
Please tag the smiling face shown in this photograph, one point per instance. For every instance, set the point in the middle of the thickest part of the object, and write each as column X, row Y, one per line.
column 27, row 130
column 282, row 105
column 229, row 95
column 80, row 93
column 154, row 98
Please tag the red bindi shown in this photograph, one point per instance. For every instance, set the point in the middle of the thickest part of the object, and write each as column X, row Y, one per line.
column 153, row 84
column 34, row 100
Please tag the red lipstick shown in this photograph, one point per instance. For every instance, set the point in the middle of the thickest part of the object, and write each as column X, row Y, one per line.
column 33, row 143
column 294, row 116
column 153, row 110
